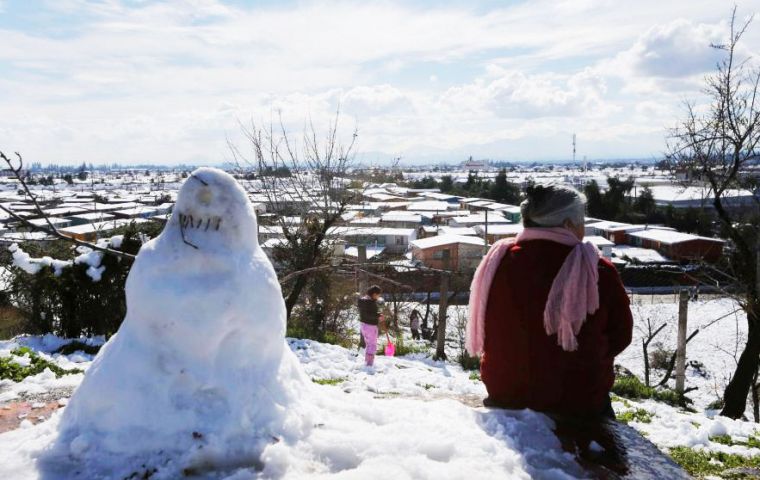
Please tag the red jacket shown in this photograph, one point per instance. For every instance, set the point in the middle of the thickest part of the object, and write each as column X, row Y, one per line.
column 522, row 366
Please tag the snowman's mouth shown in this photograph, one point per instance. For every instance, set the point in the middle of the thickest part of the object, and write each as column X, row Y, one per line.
column 201, row 223
column 187, row 221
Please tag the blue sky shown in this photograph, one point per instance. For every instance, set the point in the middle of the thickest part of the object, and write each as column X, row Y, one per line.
column 430, row 81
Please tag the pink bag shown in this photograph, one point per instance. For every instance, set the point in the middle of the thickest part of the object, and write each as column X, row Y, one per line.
column 390, row 348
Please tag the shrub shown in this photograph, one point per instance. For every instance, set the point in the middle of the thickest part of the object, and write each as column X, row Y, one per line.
column 11, row 370
column 467, row 362
column 702, row 463
column 631, row 387
column 636, row 414
column 329, row 381
column 68, row 302
column 659, row 357
column 77, row 346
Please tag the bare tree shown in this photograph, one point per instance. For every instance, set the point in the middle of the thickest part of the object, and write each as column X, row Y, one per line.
column 716, row 146
column 306, row 185
column 652, row 332
column 17, row 169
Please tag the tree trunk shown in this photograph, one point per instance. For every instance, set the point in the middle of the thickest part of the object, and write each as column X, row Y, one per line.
column 292, row 298
column 737, row 390
column 755, row 399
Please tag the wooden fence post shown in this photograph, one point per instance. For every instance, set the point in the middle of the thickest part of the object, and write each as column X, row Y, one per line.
column 683, row 315
column 440, row 352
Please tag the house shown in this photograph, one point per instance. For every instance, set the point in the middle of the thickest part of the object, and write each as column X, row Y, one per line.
column 462, row 231
column 465, row 252
column 55, row 221
column 136, row 212
column 394, row 240
column 628, row 253
column 511, row 213
column 431, row 206
column 92, row 231
column 402, row 219
column 471, row 220
column 83, row 218
column 499, row 231
column 604, row 245
column 678, row 246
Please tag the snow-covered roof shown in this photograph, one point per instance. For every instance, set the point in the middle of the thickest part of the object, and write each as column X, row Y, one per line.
column 669, row 237
column 430, row 205
column 500, row 228
column 598, row 241
column 457, row 231
column 440, row 240
column 606, row 225
column 396, row 216
column 638, row 254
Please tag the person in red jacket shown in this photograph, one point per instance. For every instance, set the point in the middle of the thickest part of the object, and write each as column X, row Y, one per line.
column 523, row 366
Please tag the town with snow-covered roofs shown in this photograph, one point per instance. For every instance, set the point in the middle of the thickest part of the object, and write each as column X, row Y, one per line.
column 392, row 222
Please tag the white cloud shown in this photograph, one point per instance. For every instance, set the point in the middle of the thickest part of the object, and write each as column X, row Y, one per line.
column 168, row 82
column 678, row 49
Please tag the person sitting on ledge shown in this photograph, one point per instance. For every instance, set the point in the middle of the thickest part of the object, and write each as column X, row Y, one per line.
column 548, row 314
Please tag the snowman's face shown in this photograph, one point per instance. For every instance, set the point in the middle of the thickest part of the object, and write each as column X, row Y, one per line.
column 213, row 210
column 199, row 212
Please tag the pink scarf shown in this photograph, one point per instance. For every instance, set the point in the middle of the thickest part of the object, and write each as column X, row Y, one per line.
column 573, row 296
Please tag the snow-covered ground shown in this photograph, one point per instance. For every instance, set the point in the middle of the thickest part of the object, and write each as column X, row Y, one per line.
column 412, row 417
column 717, row 346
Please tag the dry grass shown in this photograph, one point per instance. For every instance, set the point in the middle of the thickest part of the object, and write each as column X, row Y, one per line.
column 11, row 322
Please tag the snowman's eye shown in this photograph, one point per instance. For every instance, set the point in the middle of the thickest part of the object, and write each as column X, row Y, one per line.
column 204, row 196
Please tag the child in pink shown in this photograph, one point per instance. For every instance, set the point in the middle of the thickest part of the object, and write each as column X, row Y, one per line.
column 370, row 317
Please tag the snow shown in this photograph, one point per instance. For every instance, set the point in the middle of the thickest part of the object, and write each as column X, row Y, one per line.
column 717, row 346
column 445, row 239
column 669, row 237
column 200, row 379
column 638, row 254
column 406, row 419
column 32, row 266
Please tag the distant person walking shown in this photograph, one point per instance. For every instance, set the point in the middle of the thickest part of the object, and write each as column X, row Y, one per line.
column 370, row 318
column 548, row 314
column 414, row 324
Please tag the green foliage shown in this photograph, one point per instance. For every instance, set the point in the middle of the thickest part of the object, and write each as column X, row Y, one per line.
column 645, row 203
column 11, row 370
column 72, row 304
column 467, row 362
column 612, row 204
column 405, row 348
column 722, row 439
column 324, row 313
column 701, row 463
column 499, row 189
column 631, row 387
column 637, row 414
column 475, row 376
column 426, row 182
column 329, row 381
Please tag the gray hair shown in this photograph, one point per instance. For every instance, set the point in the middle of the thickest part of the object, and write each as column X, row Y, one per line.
column 552, row 205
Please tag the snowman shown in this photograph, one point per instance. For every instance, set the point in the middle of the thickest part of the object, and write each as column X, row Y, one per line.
column 199, row 374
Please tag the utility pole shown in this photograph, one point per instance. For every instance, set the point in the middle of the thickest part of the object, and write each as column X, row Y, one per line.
column 683, row 315
column 363, row 280
column 485, row 236
column 440, row 352
column 573, row 150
